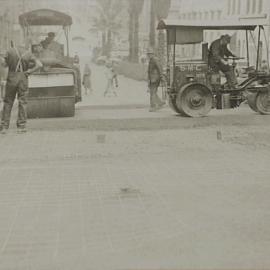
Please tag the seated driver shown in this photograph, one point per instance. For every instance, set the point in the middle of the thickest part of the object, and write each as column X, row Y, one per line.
column 50, row 44
column 218, row 50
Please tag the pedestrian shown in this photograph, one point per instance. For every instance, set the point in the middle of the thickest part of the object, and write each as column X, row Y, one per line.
column 265, row 66
column 217, row 62
column 154, row 78
column 76, row 59
column 87, row 79
column 21, row 63
column 112, row 80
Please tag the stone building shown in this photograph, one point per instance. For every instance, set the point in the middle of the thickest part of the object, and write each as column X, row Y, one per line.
column 251, row 11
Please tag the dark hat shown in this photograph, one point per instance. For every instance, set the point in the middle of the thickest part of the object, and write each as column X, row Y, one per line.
column 226, row 37
column 150, row 50
column 51, row 34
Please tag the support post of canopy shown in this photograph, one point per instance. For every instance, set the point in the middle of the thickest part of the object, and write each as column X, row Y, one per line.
column 258, row 49
column 168, row 60
column 174, row 46
column 247, row 45
column 67, row 39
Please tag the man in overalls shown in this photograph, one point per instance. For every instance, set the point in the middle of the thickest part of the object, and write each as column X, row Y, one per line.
column 21, row 63
column 154, row 78
column 218, row 50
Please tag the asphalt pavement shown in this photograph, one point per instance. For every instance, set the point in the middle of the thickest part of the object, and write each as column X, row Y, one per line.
column 117, row 187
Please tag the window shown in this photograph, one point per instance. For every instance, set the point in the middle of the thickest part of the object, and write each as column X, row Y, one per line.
column 206, row 15
column 212, row 15
column 254, row 6
column 229, row 7
column 248, row 6
column 239, row 7
column 233, row 6
column 260, row 6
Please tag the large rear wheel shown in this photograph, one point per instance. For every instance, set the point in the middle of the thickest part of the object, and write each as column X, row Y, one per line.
column 263, row 102
column 172, row 104
column 251, row 99
column 194, row 100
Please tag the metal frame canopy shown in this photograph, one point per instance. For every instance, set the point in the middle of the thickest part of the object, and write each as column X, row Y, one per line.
column 44, row 17
column 181, row 32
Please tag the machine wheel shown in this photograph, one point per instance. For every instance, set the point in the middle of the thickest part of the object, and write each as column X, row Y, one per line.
column 263, row 102
column 251, row 99
column 194, row 100
column 172, row 104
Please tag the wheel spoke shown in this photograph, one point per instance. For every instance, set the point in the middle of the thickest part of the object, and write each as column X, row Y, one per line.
column 194, row 100
column 263, row 103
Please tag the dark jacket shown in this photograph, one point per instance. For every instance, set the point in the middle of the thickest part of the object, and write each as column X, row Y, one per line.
column 217, row 52
column 154, row 71
column 13, row 56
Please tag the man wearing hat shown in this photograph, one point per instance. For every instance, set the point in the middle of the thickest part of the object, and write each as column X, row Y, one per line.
column 20, row 63
column 48, row 40
column 154, row 77
column 218, row 50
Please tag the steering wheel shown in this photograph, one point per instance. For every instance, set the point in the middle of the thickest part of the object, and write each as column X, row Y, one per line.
column 234, row 58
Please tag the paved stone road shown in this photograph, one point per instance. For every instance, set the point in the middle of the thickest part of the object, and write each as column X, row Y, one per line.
column 135, row 200
column 119, row 188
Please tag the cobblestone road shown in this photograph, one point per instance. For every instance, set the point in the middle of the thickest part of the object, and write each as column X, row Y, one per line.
column 135, row 200
column 119, row 188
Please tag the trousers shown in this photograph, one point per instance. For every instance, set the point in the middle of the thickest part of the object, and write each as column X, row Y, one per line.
column 228, row 72
column 154, row 98
column 17, row 85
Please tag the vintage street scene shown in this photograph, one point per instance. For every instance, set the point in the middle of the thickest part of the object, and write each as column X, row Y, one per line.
column 134, row 134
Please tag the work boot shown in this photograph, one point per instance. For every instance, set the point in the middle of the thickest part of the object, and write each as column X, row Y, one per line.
column 152, row 109
column 160, row 106
column 21, row 130
column 3, row 130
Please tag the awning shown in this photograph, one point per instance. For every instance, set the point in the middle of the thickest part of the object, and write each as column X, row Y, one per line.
column 225, row 25
column 45, row 17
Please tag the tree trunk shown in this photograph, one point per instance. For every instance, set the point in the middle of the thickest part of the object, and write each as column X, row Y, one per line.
column 152, row 34
column 109, row 43
column 103, row 43
column 136, row 38
column 131, row 36
column 161, row 47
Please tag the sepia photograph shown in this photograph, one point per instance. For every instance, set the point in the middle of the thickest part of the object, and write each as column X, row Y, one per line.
column 134, row 134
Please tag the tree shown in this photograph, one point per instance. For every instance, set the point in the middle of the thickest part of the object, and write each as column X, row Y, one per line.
column 159, row 10
column 108, row 22
column 134, row 10
column 162, row 11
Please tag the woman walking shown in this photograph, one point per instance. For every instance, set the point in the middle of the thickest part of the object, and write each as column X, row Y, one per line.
column 87, row 79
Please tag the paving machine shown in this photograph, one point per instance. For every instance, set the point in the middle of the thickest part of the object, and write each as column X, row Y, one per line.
column 54, row 90
column 194, row 89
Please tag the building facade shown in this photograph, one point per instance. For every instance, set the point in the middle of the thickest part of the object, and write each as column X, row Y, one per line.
column 250, row 11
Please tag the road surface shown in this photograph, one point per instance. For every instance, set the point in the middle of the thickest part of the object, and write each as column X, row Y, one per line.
column 117, row 187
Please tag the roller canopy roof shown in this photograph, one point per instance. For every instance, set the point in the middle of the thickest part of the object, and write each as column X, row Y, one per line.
column 227, row 25
column 183, row 32
column 45, row 17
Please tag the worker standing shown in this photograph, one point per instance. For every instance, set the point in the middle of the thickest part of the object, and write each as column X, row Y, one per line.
column 154, row 78
column 21, row 63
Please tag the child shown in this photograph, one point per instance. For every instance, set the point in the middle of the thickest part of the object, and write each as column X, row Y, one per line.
column 112, row 80
column 87, row 79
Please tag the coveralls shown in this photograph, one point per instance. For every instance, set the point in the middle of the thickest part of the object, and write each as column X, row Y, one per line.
column 112, row 81
column 217, row 52
column 87, row 79
column 18, row 61
column 154, row 78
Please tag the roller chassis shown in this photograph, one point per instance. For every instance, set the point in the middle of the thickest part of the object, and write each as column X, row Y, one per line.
column 193, row 89
column 255, row 90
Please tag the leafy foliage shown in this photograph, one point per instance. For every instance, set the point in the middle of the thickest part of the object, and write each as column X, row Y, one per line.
column 134, row 9
column 108, row 22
